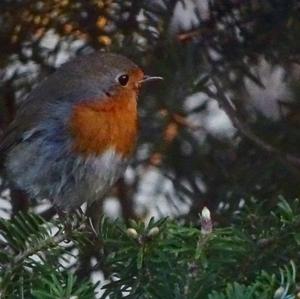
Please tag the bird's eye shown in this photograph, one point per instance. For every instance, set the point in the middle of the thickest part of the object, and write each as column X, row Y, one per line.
column 123, row 79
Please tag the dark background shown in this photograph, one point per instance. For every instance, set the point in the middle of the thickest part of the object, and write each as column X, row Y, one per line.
column 223, row 127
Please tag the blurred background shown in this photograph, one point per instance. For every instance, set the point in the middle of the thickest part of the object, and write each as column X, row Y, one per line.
column 222, row 128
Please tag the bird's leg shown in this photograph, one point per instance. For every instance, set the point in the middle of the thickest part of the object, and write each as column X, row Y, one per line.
column 86, row 217
column 66, row 220
column 80, row 214
column 92, row 227
column 94, row 213
column 71, row 221
column 81, row 218
column 19, row 200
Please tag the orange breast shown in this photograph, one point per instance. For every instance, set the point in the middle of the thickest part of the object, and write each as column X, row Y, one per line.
column 111, row 123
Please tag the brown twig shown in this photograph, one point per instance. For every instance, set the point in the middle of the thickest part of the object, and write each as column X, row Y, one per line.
column 53, row 241
column 246, row 131
column 126, row 201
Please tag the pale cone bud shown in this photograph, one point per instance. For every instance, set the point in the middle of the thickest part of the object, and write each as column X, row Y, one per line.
column 206, row 223
column 278, row 293
column 153, row 232
column 132, row 233
column 205, row 213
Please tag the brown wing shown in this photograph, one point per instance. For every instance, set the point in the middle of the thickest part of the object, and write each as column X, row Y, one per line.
column 7, row 141
column 31, row 112
column 22, row 127
column 15, row 134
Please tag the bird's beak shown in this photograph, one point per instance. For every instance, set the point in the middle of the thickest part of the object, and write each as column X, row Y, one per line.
column 147, row 78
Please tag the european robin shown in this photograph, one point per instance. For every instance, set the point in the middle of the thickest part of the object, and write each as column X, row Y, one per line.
column 74, row 135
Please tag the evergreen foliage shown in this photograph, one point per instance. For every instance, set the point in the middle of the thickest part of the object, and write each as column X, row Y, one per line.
column 161, row 259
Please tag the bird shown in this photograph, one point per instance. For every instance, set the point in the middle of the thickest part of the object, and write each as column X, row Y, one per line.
column 76, row 131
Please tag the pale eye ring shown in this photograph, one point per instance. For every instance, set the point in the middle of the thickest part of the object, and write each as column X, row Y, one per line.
column 123, row 79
